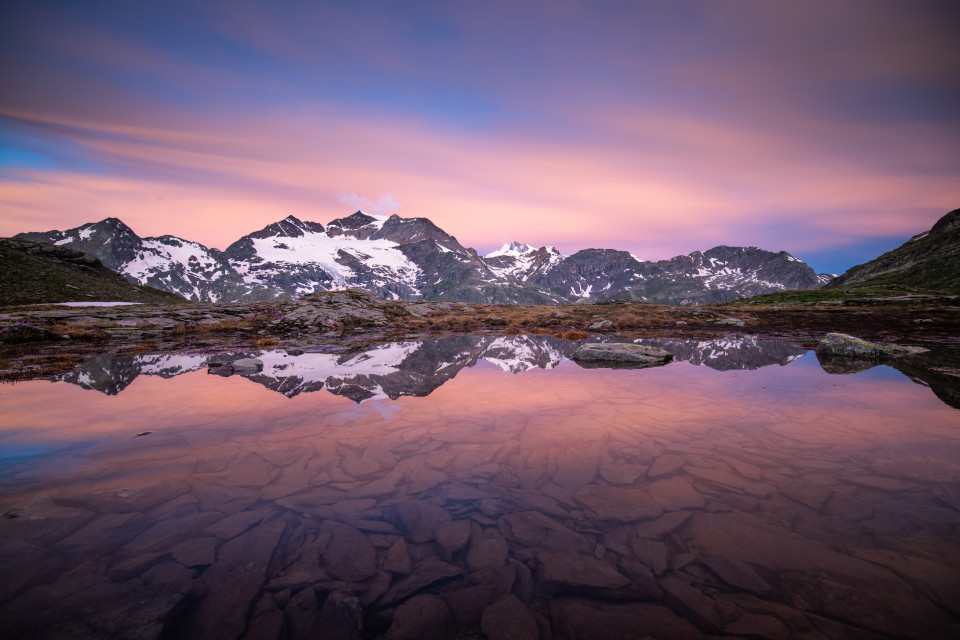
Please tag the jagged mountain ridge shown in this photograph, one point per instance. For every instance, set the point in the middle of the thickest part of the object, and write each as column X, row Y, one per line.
column 412, row 259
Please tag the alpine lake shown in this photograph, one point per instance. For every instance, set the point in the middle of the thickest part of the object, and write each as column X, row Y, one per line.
column 479, row 487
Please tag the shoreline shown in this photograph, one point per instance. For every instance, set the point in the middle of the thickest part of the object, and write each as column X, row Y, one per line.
column 352, row 319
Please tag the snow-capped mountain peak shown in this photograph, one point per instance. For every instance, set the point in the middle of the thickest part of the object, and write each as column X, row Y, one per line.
column 357, row 220
column 378, row 219
column 304, row 257
column 511, row 249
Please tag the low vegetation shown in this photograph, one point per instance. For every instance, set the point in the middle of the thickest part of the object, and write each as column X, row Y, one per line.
column 37, row 273
column 852, row 295
column 929, row 260
column 22, row 331
column 215, row 326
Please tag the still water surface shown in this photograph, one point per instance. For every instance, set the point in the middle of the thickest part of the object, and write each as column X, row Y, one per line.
column 478, row 487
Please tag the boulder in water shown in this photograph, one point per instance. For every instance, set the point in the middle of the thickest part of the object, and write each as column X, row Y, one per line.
column 617, row 354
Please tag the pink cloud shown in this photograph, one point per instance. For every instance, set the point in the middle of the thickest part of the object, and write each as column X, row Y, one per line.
column 653, row 183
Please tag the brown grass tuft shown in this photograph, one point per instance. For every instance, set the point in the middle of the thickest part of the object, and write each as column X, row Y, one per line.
column 223, row 326
column 627, row 320
column 453, row 323
column 85, row 334
column 572, row 335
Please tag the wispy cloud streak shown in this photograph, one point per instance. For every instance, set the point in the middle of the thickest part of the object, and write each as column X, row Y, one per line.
column 655, row 128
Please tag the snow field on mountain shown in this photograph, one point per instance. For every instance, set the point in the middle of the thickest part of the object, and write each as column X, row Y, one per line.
column 511, row 249
column 320, row 249
column 160, row 257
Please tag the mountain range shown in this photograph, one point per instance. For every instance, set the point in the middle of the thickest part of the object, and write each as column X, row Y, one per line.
column 413, row 259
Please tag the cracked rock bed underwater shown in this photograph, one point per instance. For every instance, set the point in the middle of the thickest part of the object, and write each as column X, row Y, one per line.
column 478, row 487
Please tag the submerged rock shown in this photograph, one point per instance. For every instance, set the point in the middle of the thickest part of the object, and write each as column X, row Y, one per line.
column 588, row 619
column 422, row 617
column 341, row 617
column 579, row 573
column 428, row 572
column 840, row 344
column 736, row 574
column 238, row 574
column 350, row 556
column 487, row 550
column 621, row 355
column 618, row 504
column 453, row 536
column 509, row 619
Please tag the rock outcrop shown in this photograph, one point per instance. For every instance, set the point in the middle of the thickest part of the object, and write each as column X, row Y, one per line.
column 842, row 345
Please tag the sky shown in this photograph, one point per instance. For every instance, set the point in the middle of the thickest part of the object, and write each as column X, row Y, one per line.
column 827, row 129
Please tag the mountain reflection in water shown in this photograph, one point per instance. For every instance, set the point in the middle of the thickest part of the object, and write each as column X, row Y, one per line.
column 413, row 368
column 672, row 502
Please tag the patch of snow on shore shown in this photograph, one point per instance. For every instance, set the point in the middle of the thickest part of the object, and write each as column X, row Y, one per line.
column 94, row 304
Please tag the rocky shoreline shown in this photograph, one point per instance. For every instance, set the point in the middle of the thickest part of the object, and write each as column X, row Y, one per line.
column 52, row 336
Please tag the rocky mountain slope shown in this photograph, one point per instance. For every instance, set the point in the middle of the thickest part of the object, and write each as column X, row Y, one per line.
column 36, row 272
column 413, row 259
column 187, row 269
column 718, row 275
column 929, row 260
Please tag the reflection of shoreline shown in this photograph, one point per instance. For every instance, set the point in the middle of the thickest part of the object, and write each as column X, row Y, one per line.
column 935, row 370
column 417, row 368
column 392, row 370
column 731, row 352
